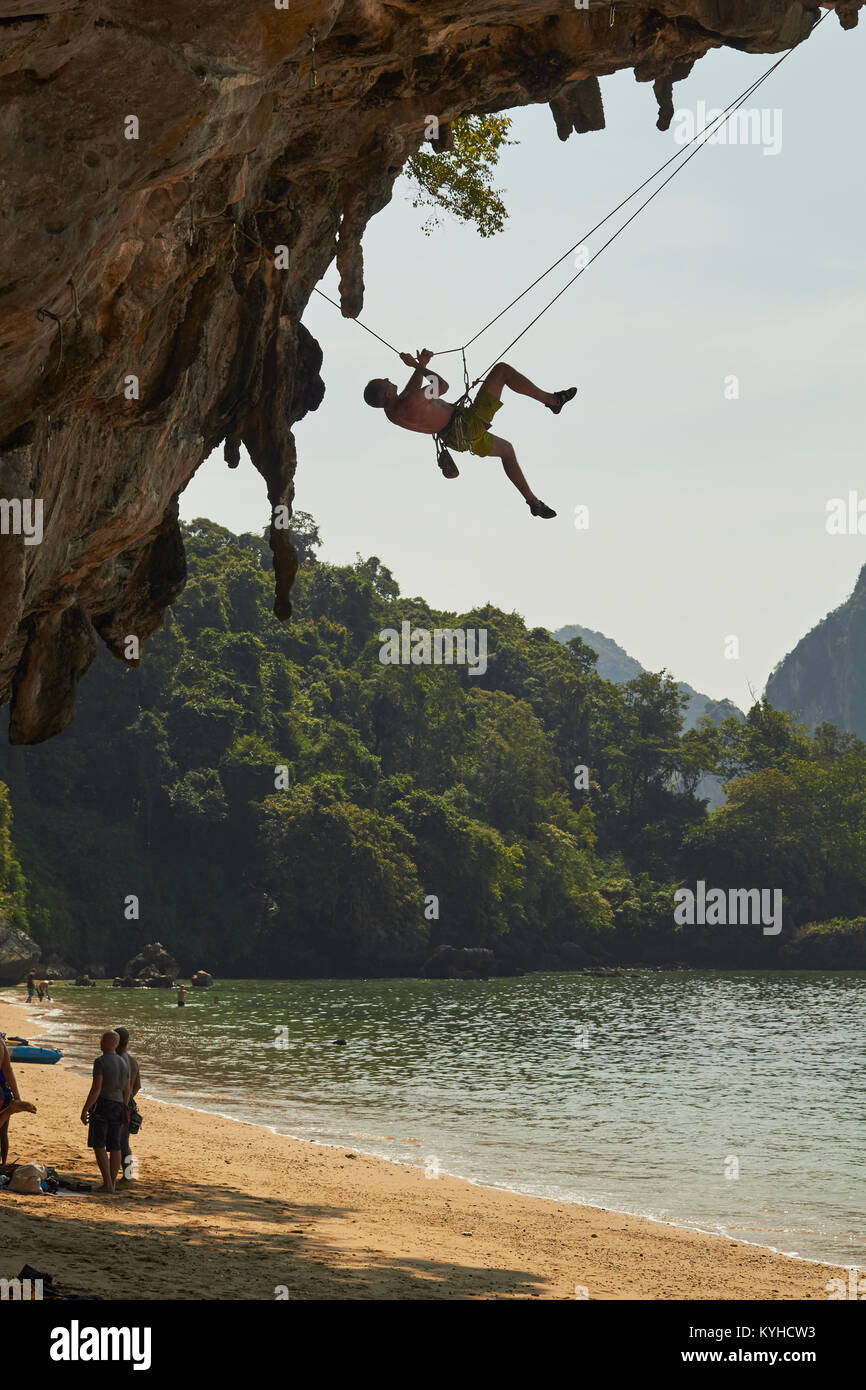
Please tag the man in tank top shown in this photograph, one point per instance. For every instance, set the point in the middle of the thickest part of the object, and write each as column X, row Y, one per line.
column 105, row 1109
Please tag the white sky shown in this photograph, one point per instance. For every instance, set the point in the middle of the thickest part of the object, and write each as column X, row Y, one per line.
column 707, row 515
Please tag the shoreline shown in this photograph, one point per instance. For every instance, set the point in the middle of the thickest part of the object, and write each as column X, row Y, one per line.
column 407, row 1163
column 240, row 1215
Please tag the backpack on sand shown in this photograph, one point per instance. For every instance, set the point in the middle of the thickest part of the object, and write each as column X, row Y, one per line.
column 28, row 1177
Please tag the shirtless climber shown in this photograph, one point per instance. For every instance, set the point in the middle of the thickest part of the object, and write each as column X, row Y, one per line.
column 420, row 408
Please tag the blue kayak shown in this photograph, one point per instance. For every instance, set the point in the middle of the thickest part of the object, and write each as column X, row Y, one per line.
column 23, row 1052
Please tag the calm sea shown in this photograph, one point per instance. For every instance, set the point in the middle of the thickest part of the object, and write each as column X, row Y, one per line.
column 725, row 1102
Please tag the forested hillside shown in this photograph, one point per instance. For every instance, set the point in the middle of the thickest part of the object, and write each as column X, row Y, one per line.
column 280, row 801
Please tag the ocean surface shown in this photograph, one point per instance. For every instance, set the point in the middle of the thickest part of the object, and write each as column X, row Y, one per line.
column 730, row 1103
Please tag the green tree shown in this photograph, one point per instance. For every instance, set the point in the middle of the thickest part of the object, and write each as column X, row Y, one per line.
column 643, row 771
column 459, row 181
column 766, row 738
column 406, row 781
column 13, row 888
column 800, row 828
column 466, row 864
column 343, row 893
column 305, row 537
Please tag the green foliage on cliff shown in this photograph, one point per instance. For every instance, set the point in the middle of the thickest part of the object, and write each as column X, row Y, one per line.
column 280, row 801
column 13, row 890
column 459, row 181
column 835, row 945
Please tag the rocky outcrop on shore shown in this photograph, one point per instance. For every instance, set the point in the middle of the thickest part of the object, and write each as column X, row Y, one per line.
column 152, row 968
column 461, row 963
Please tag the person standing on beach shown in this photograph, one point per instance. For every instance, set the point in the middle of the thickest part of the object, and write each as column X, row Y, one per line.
column 134, row 1087
column 105, row 1109
column 42, row 990
column 10, row 1101
column 181, row 996
column 31, row 986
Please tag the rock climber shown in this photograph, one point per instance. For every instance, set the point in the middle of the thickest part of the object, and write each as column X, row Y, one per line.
column 465, row 428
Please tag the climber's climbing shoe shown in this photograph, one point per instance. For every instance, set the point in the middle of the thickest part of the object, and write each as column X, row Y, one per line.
column 562, row 398
column 539, row 509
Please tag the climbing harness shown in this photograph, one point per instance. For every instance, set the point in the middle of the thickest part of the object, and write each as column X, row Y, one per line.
column 456, row 429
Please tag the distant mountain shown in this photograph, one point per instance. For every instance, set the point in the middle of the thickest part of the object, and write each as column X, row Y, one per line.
column 823, row 680
column 615, row 664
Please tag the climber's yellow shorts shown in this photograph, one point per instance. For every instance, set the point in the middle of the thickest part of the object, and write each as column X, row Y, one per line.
column 469, row 429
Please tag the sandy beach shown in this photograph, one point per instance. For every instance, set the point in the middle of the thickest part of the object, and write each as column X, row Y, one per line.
column 225, row 1210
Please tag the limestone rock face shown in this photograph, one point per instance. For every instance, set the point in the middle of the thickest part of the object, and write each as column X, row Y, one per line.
column 55, row 969
column 18, row 953
column 823, row 680
column 154, row 156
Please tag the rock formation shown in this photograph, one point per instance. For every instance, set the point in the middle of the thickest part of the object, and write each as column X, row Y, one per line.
column 154, row 158
column 460, row 963
column 823, row 680
column 18, row 954
column 55, row 969
column 153, row 967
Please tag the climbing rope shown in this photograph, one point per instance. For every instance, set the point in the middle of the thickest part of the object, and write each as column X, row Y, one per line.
column 334, row 302
column 600, row 250
column 457, row 424
column 680, row 158
column 717, row 121
column 467, row 387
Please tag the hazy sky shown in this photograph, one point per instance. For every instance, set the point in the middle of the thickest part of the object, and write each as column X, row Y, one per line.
column 707, row 515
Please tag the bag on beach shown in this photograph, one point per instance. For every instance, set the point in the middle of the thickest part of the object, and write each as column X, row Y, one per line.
column 135, row 1118
column 28, row 1177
